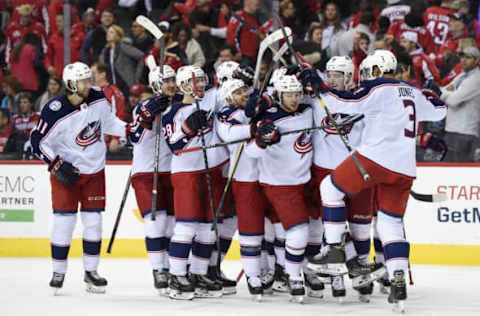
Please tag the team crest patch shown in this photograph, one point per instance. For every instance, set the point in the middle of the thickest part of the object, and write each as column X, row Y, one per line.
column 303, row 144
column 89, row 135
column 55, row 105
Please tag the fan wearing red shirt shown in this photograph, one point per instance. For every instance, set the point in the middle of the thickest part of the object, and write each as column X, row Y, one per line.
column 458, row 30
column 39, row 13
column 437, row 21
column 412, row 23
column 27, row 119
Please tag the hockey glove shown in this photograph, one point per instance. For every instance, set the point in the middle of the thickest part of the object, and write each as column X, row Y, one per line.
column 310, row 79
column 64, row 171
column 434, row 89
column 152, row 107
column 244, row 73
column 256, row 105
column 428, row 140
column 266, row 134
column 196, row 122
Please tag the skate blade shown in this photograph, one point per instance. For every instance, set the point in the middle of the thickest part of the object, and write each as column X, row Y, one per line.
column 56, row 291
column 361, row 281
column 364, row 298
column 315, row 293
column 330, row 268
column 185, row 296
column 299, row 299
column 280, row 287
column 384, row 289
column 325, row 279
column 163, row 291
column 229, row 290
column 257, row 298
column 95, row 289
column 208, row 294
column 399, row 307
column 268, row 291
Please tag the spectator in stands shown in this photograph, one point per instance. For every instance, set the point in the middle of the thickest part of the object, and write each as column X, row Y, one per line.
column 242, row 37
column 363, row 7
column 457, row 69
column 182, row 34
column 96, row 39
column 289, row 17
column 141, row 39
column 26, row 59
column 463, row 117
column 39, row 11
column 333, row 27
column 55, row 7
column 437, row 21
column 54, row 61
column 227, row 53
column 89, row 20
column 396, row 10
column 15, row 31
column 134, row 97
column 423, row 67
column 175, row 57
column 311, row 48
column 54, row 88
column 27, row 118
column 125, row 62
column 344, row 44
column 11, row 87
column 11, row 139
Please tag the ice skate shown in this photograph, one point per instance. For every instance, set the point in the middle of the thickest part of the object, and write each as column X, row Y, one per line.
column 314, row 286
column 229, row 286
column 297, row 291
column 267, row 278
column 338, row 288
column 325, row 278
column 398, row 291
column 160, row 281
column 255, row 287
column 364, row 293
column 206, row 287
column 280, row 283
column 180, row 288
column 56, row 283
column 95, row 283
column 384, row 284
column 329, row 261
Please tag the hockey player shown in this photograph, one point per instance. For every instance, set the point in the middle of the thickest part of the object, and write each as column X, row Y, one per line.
column 143, row 140
column 392, row 109
column 183, row 124
column 292, row 155
column 70, row 138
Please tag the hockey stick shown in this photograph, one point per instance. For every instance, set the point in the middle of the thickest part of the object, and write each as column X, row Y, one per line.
column 430, row 198
column 303, row 130
column 119, row 214
column 147, row 24
column 239, row 276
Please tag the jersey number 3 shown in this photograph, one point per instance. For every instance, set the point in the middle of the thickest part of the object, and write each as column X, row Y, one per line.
column 411, row 133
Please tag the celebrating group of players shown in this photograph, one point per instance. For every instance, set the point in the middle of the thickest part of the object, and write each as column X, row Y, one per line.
column 291, row 195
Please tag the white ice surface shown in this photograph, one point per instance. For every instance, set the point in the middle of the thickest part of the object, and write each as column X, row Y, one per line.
column 438, row 290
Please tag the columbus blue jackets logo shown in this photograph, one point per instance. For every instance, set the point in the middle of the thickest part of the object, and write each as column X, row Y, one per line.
column 330, row 128
column 303, row 144
column 89, row 135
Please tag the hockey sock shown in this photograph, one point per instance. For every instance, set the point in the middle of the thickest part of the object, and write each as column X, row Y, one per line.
column 295, row 243
column 179, row 247
column 92, row 239
column 279, row 244
column 63, row 226
column 396, row 248
column 377, row 244
column 315, row 237
column 250, row 252
column 268, row 250
column 360, row 233
column 155, row 240
column 202, row 249
column 334, row 214
column 350, row 251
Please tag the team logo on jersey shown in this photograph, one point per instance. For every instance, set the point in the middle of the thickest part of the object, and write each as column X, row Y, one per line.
column 330, row 129
column 303, row 144
column 89, row 135
column 55, row 105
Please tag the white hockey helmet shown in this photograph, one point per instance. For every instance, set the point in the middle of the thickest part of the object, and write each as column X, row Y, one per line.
column 72, row 73
column 343, row 64
column 287, row 83
column 184, row 75
column 155, row 77
column 365, row 69
column 228, row 88
column 387, row 62
column 277, row 73
column 225, row 71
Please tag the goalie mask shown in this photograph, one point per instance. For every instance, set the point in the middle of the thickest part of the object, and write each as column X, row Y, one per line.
column 184, row 78
column 156, row 78
column 340, row 67
column 229, row 88
column 225, row 71
column 74, row 73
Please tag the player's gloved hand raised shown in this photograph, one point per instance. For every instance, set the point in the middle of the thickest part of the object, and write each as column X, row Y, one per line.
column 64, row 171
column 195, row 122
column 151, row 107
column 428, row 140
column 244, row 73
column 265, row 133
column 256, row 104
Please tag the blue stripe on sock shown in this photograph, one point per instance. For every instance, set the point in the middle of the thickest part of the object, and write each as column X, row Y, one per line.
column 377, row 244
column 91, row 248
column 156, row 244
column 362, row 247
column 397, row 250
column 59, row 253
column 179, row 250
column 334, row 214
column 293, row 258
column 250, row 251
column 202, row 250
column 225, row 244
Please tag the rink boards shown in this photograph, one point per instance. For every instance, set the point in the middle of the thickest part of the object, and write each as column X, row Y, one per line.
column 446, row 233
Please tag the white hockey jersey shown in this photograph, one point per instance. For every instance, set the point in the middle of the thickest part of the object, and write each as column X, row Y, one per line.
column 172, row 123
column 76, row 133
column 287, row 162
column 233, row 124
column 392, row 111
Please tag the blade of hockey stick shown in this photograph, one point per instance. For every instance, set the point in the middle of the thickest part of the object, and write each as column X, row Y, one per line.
column 151, row 27
column 430, row 198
